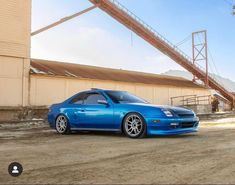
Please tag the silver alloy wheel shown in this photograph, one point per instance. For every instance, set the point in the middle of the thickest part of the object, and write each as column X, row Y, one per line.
column 61, row 124
column 133, row 125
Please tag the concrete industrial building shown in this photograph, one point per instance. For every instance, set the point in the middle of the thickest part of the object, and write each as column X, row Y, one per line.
column 42, row 83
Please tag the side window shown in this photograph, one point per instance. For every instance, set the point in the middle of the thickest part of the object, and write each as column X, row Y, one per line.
column 78, row 99
column 92, row 98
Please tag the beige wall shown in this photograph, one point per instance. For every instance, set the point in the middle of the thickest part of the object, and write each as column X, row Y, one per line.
column 15, row 26
column 48, row 90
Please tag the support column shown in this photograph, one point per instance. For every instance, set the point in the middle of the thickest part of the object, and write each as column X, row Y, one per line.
column 200, row 53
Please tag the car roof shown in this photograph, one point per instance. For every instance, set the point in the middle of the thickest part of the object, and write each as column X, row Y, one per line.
column 103, row 90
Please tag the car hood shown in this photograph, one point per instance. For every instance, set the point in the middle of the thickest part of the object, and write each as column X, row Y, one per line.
column 177, row 110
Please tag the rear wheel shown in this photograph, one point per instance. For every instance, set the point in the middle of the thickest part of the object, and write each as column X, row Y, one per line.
column 62, row 125
column 134, row 126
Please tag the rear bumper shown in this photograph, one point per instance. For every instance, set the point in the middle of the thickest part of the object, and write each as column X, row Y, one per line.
column 51, row 120
column 171, row 126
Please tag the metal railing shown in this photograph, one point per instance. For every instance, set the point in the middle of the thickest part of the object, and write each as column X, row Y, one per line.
column 191, row 100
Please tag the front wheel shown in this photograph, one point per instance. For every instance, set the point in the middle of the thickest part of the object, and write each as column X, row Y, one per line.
column 134, row 126
column 62, row 125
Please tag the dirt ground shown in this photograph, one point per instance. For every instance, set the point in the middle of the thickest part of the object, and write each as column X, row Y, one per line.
column 109, row 158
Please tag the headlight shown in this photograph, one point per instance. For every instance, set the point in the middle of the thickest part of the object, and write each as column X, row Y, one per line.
column 167, row 113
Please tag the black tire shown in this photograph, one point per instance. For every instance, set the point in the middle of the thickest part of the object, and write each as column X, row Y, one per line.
column 62, row 125
column 134, row 126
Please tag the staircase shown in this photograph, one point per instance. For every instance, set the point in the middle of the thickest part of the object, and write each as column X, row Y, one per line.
column 134, row 23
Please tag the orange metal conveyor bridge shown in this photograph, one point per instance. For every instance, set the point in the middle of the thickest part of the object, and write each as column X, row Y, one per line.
column 131, row 21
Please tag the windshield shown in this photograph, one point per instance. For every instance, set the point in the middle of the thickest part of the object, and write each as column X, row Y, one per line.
column 124, row 97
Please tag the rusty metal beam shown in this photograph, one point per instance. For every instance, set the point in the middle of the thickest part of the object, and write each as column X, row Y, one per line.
column 62, row 21
column 128, row 19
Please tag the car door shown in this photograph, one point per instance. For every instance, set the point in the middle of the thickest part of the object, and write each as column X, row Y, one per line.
column 76, row 111
column 96, row 115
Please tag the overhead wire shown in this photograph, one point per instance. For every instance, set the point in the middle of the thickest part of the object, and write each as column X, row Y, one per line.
column 132, row 37
column 183, row 41
column 216, row 69
column 228, row 2
column 215, row 73
column 210, row 66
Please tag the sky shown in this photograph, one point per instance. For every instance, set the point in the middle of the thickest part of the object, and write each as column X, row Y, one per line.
column 97, row 39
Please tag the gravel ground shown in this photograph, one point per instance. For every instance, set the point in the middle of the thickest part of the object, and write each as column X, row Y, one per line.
column 205, row 157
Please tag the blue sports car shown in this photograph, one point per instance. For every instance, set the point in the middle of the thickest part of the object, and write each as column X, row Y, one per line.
column 108, row 110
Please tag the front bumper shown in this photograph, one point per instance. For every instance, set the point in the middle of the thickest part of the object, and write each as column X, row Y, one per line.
column 171, row 126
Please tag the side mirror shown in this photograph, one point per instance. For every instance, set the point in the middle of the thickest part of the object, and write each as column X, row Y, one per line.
column 103, row 102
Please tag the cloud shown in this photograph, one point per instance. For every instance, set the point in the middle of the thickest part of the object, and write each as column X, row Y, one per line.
column 99, row 47
column 161, row 63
